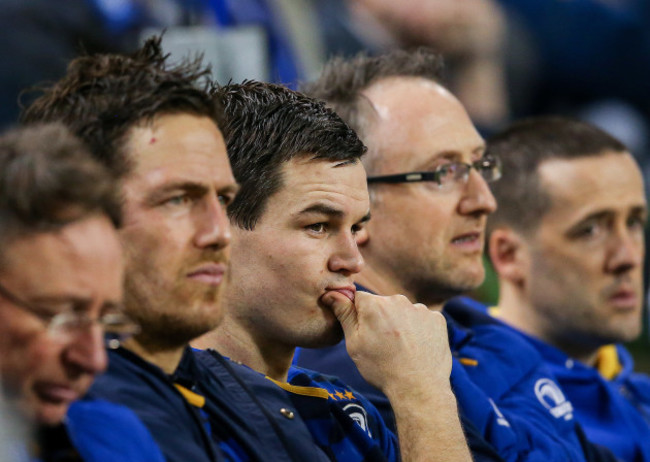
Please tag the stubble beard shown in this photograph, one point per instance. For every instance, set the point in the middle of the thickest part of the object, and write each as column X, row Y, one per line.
column 170, row 318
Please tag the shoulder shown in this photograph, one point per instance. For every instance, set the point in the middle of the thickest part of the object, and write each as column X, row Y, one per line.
column 127, row 439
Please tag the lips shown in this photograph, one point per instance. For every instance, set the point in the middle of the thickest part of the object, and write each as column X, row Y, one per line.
column 468, row 241
column 625, row 299
column 209, row 273
column 348, row 291
column 55, row 393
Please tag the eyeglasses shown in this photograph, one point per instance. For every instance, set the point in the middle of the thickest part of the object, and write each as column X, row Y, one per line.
column 67, row 325
column 447, row 175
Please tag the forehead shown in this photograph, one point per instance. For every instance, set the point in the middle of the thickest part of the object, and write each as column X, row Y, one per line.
column 306, row 182
column 416, row 121
column 590, row 184
column 74, row 260
column 179, row 147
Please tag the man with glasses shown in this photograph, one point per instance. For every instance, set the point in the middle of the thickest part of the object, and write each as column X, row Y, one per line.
column 60, row 287
column 428, row 176
column 567, row 244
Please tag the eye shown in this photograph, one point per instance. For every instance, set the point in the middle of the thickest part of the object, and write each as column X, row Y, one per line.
column 357, row 228
column 180, row 199
column 447, row 172
column 589, row 230
column 636, row 222
column 226, row 199
column 317, row 228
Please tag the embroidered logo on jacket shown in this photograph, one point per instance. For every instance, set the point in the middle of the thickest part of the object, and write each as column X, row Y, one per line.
column 549, row 394
column 359, row 415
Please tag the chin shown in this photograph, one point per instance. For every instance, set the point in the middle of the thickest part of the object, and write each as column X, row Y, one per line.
column 329, row 337
column 51, row 415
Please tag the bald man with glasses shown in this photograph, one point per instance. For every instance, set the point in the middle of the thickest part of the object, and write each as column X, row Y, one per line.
column 428, row 178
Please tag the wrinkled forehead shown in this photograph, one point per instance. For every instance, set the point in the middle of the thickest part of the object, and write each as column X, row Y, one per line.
column 307, row 181
column 416, row 120
column 607, row 180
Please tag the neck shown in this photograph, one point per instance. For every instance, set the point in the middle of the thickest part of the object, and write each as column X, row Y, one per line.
column 165, row 358
column 516, row 310
column 239, row 344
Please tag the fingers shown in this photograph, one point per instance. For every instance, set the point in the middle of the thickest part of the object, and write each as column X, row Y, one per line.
column 343, row 308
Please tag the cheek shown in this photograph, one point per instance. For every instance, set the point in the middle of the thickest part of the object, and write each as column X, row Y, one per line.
column 45, row 360
column 153, row 249
column 575, row 262
column 28, row 358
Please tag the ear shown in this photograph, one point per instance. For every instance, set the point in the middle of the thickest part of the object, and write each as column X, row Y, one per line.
column 509, row 255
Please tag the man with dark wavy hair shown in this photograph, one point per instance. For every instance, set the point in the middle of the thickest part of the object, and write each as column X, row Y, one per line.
column 300, row 213
column 157, row 128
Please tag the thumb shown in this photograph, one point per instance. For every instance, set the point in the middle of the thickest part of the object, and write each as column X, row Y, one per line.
column 342, row 307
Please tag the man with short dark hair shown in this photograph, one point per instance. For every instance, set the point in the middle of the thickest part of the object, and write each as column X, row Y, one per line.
column 567, row 244
column 297, row 220
column 60, row 287
column 157, row 128
column 428, row 177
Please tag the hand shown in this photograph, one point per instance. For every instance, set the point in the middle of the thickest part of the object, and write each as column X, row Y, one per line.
column 397, row 345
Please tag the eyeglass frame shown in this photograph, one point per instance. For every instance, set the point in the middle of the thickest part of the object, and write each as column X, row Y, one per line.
column 50, row 320
column 434, row 176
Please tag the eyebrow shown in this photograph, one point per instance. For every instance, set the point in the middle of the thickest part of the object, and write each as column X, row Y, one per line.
column 600, row 215
column 190, row 187
column 330, row 211
column 322, row 209
column 187, row 186
column 46, row 301
column 453, row 155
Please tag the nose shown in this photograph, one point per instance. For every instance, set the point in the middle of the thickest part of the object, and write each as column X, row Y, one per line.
column 477, row 198
column 86, row 352
column 212, row 225
column 625, row 253
column 346, row 257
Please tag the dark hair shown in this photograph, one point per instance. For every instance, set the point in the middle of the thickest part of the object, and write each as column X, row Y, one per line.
column 267, row 125
column 48, row 179
column 103, row 96
column 342, row 81
column 522, row 148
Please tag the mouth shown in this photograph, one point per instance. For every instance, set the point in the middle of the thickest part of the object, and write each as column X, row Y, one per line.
column 348, row 291
column 625, row 300
column 56, row 393
column 468, row 241
column 209, row 273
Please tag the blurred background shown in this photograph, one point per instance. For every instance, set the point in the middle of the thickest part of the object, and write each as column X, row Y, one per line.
column 505, row 59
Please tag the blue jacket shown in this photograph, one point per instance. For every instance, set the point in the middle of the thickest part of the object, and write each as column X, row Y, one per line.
column 128, row 440
column 210, row 409
column 214, row 409
column 177, row 426
column 495, row 375
column 341, row 425
column 614, row 412
column 342, row 420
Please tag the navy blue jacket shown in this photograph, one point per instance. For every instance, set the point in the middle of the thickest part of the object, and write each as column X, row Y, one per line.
column 615, row 412
column 495, row 376
column 176, row 425
column 341, row 425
